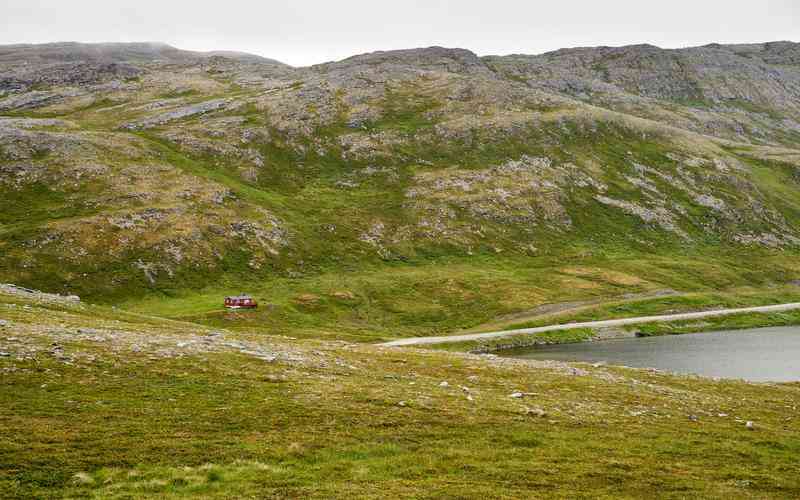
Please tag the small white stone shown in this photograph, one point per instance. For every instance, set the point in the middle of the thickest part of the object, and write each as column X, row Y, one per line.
column 750, row 425
column 516, row 395
column 444, row 384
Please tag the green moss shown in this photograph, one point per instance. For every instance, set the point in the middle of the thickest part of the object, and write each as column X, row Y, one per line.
column 752, row 107
column 177, row 93
column 405, row 108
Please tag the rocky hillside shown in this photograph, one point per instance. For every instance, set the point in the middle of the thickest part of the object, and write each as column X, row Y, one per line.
column 131, row 168
column 743, row 92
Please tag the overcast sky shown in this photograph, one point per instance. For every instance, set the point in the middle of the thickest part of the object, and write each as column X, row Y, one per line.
column 301, row 32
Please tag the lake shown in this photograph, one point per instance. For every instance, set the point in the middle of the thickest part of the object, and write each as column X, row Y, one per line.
column 758, row 355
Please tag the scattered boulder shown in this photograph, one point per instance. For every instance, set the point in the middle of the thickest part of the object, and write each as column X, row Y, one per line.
column 536, row 412
column 176, row 114
column 11, row 289
column 83, row 478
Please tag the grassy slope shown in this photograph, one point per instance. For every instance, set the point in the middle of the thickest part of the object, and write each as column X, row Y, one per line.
column 689, row 302
column 117, row 424
column 429, row 287
column 451, row 295
column 422, row 286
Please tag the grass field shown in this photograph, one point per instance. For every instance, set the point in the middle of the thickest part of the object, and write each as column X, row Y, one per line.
column 451, row 294
column 121, row 410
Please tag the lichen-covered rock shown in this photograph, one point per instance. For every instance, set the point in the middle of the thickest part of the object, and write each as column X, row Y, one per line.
column 182, row 112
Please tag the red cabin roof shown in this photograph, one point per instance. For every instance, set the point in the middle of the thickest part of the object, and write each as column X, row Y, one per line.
column 240, row 301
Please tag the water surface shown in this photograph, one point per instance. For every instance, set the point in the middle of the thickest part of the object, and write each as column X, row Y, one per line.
column 758, row 355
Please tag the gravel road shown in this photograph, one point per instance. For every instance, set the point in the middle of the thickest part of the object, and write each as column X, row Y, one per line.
column 591, row 324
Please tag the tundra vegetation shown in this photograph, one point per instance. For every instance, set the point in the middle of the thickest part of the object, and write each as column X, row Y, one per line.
column 388, row 195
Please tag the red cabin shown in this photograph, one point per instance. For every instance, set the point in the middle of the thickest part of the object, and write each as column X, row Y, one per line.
column 241, row 302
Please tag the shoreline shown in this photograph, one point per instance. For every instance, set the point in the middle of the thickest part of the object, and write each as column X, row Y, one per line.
column 634, row 335
column 726, row 319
